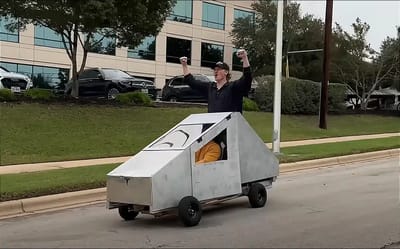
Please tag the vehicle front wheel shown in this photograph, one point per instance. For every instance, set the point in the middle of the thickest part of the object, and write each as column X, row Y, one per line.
column 257, row 195
column 127, row 212
column 112, row 93
column 173, row 99
column 190, row 211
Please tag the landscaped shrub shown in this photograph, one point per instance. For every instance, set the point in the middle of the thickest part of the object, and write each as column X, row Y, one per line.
column 137, row 98
column 250, row 105
column 6, row 95
column 39, row 94
column 298, row 96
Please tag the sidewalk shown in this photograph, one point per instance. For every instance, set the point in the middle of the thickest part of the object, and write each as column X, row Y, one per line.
column 32, row 167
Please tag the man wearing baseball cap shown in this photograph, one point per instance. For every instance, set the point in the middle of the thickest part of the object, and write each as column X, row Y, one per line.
column 223, row 95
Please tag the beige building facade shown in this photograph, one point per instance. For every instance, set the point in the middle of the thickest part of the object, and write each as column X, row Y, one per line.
column 198, row 29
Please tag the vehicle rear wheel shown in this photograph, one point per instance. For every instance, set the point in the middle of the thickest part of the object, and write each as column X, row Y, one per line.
column 112, row 93
column 127, row 212
column 190, row 211
column 173, row 99
column 257, row 195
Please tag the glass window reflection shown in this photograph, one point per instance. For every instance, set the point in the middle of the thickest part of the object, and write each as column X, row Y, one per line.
column 47, row 37
column 213, row 16
column 42, row 77
column 102, row 45
column 146, row 50
column 182, row 11
column 177, row 48
column 211, row 53
column 5, row 34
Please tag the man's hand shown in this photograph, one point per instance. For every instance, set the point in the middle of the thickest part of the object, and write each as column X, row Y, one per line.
column 183, row 60
column 242, row 55
column 185, row 68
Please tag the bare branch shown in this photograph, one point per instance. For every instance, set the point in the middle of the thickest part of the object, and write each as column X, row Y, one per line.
column 69, row 50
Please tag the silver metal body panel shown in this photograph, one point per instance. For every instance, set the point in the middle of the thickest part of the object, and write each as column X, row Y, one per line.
column 220, row 178
column 172, row 183
column 256, row 160
column 165, row 171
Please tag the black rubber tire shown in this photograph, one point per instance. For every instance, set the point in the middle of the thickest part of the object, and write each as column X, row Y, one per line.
column 257, row 195
column 127, row 213
column 190, row 211
column 112, row 92
column 173, row 99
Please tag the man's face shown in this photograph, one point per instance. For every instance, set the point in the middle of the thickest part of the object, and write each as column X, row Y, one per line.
column 220, row 74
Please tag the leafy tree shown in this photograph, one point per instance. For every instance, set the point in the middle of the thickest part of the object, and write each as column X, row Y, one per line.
column 390, row 55
column 128, row 22
column 299, row 33
column 357, row 64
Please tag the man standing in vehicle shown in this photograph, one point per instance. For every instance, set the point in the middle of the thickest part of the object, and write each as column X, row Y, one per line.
column 223, row 95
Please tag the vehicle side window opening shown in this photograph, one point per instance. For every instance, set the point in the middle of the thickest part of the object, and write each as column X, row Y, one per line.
column 215, row 150
column 177, row 82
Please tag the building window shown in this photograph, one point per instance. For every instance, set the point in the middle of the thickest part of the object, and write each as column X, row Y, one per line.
column 102, row 45
column 50, row 77
column 42, row 77
column 177, row 48
column 213, row 16
column 5, row 34
column 47, row 37
column 182, row 11
column 210, row 54
column 236, row 63
column 12, row 67
column 146, row 50
column 242, row 14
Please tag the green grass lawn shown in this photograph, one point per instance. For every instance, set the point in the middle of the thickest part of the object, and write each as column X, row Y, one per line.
column 24, row 185
column 308, row 152
column 40, row 133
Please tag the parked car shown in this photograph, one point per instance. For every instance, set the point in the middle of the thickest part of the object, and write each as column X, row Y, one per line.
column 16, row 82
column 108, row 83
column 176, row 90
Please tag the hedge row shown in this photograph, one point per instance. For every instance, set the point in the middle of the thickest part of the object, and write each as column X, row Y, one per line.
column 298, row 96
column 37, row 94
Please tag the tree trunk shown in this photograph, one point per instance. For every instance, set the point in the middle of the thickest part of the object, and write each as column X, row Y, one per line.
column 75, row 86
column 364, row 102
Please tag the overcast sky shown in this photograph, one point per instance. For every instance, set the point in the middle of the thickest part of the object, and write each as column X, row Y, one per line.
column 382, row 16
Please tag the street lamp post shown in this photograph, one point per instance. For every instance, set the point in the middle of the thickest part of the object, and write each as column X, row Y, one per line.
column 276, row 137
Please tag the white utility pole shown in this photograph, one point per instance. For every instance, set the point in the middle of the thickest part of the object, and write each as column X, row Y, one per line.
column 276, row 138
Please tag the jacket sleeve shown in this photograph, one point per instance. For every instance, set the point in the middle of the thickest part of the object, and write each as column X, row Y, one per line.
column 196, row 84
column 243, row 85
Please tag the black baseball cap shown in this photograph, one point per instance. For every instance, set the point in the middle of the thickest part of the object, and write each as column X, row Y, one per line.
column 221, row 65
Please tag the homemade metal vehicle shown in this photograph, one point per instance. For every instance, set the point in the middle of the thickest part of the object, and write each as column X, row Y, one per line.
column 164, row 177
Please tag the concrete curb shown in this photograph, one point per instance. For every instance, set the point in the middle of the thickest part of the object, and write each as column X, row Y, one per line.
column 75, row 199
column 51, row 202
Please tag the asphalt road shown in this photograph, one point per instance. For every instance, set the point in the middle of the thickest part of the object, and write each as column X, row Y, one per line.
column 353, row 206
